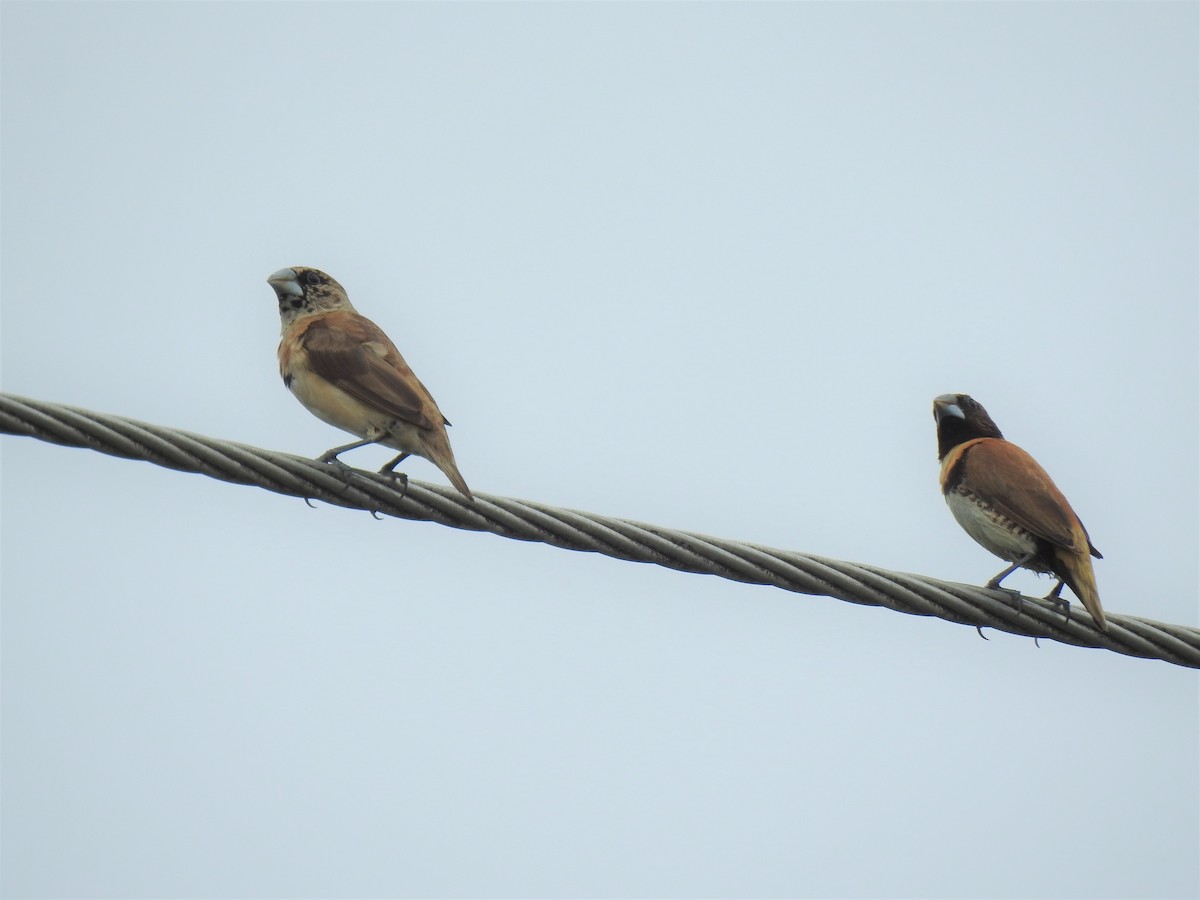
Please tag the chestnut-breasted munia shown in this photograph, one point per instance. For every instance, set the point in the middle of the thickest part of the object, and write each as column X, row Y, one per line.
column 346, row 372
column 1008, row 504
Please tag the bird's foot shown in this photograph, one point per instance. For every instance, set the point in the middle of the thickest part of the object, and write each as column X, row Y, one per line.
column 330, row 459
column 396, row 476
column 1016, row 596
column 1060, row 601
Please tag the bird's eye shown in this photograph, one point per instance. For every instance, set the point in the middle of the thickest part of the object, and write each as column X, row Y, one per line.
column 312, row 278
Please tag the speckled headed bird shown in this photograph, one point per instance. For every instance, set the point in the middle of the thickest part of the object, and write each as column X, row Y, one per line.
column 346, row 372
column 1009, row 505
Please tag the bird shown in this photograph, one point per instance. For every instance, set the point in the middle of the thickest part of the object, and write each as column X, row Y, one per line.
column 1005, row 501
column 345, row 371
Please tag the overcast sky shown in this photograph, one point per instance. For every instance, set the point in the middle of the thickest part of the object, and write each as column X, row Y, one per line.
column 699, row 265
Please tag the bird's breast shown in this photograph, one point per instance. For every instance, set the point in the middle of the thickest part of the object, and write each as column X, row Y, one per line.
column 325, row 400
column 990, row 528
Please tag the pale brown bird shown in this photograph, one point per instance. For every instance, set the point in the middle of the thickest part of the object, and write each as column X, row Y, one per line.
column 346, row 372
column 1008, row 504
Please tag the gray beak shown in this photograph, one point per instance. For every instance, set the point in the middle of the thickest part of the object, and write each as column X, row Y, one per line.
column 285, row 282
column 947, row 405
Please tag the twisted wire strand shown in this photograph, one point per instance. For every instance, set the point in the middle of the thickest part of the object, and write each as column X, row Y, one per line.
column 526, row 520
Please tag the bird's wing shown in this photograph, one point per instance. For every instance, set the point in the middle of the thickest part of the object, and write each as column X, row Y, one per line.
column 352, row 353
column 1007, row 478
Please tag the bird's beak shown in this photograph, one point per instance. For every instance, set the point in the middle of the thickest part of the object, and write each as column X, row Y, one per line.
column 947, row 405
column 285, row 282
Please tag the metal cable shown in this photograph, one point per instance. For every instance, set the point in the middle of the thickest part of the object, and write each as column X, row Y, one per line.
column 573, row 530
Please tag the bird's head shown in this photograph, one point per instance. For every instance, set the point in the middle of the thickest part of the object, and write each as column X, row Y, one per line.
column 302, row 291
column 961, row 418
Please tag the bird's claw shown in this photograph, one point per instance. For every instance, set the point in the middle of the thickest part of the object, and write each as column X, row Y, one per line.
column 343, row 470
column 396, row 476
column 1058, row 600
column 1016, row 596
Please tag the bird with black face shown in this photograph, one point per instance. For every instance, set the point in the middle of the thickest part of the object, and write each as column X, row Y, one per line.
column 1005, row 501
column 346, row 372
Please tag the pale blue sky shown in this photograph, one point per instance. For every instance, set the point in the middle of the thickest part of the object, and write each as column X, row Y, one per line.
column 698, row 265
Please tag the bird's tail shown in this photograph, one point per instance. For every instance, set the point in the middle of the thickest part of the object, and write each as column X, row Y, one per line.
column 438, row 452
column 1076, row 570
column 459, row 482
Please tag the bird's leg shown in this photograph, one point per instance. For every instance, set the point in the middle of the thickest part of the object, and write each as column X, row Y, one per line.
column 1055, row 597
column 330, row 457
column 389, row 472
column 994, row 584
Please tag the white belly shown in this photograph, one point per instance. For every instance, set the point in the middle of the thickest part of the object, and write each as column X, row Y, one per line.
column 989, row 529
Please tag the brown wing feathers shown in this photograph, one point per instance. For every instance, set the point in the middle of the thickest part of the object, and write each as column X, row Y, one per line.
column 1008, row 479
column 343, row 348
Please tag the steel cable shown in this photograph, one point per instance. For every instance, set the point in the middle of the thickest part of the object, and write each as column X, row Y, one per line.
column 525, row 520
